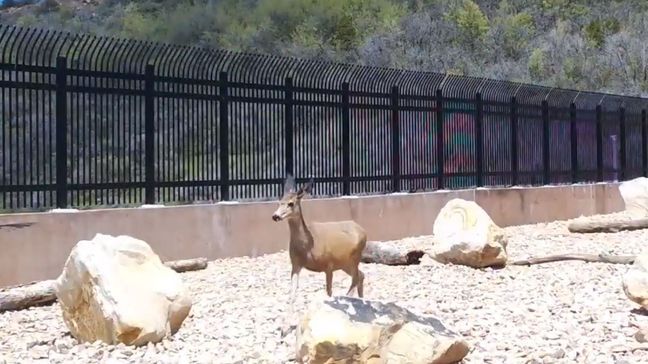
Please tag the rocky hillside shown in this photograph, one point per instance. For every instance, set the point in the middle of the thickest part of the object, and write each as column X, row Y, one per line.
column 578, row 44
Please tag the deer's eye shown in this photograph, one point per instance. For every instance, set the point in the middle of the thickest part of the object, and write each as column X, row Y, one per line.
column 291, row 204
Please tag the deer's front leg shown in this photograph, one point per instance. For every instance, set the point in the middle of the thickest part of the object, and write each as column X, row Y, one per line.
column 294, row 285
column 329, row 283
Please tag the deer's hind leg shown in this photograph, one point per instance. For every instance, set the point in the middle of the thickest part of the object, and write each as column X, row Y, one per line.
column 357, row 279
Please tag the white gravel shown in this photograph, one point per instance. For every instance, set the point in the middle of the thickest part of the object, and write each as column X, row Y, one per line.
column 563, row 312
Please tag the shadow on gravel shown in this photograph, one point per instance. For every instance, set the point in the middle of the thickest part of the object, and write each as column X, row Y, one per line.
column 640, row 311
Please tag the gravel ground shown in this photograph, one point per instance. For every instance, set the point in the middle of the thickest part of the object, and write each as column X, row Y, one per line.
column 563, row 312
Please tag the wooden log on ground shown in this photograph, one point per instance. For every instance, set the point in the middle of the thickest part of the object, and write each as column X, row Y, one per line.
column 42, row 293
column 186, row 265
column 30, row 295
column 593, row 226
column 381, row 253
column 590, row 258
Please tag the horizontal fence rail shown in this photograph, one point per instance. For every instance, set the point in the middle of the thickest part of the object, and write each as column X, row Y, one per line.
column 95, row 121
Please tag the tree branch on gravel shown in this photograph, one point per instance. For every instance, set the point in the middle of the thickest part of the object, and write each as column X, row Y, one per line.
column 590, row 258
column 632, row 348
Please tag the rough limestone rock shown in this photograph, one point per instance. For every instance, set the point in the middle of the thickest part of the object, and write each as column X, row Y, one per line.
column 116, row 290
column 635, row 280
column 352, row 330
column 635, row 196
column 464, row 234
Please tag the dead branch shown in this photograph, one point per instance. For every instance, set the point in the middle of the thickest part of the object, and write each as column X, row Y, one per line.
column 590, row 258
column 631, row 348
column 42, row 293
column 591, row 226
column 380, row 253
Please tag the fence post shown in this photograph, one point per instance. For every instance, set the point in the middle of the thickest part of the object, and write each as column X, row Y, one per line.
column 395, row 140
column 61, row 133
column 514, row 142
column 622, row 143
column 644, row 143
column 599, row 143
column 439, row 139
column 479, row 136
column 546, row 156
column 289, row 127
column 149, row 135
column 346, row 141
column 574, row 142
column 223, row 141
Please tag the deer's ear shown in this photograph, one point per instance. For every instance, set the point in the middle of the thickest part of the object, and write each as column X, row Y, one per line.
column 309, row 185
column 289, row 184
column 307, row 188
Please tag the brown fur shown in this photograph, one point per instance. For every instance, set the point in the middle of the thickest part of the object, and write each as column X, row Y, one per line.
column 319, row 246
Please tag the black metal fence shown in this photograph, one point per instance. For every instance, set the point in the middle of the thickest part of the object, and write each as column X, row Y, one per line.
column 90, row 121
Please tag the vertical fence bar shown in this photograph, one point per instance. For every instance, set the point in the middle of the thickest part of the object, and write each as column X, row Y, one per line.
column 439, row 139
column 514, row 142
column 224, row 137
column 574, row 142
column 479, row 139
column 599, row 143
column 644, row 143
column 61, row 133
column 622, row 143
column 395, row 140
column 149, row 135
column 346, row 141
column 289, row 127
column 546, row 156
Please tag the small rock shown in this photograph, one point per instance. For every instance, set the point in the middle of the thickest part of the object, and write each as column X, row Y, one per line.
column 642, row 335
column 38, row 352
column 558, row 354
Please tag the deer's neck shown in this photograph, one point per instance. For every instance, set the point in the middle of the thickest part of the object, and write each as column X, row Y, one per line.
column 300, row 235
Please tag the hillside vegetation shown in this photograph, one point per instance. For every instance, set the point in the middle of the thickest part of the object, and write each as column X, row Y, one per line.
column 598, row 46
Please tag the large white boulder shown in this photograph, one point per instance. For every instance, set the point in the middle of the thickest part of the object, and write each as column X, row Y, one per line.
column 353, row 330
column 116, row 290
column 464, row 234
column 635, row 280
column 634, row 193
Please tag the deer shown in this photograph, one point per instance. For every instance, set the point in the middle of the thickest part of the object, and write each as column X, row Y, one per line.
column 319, row 246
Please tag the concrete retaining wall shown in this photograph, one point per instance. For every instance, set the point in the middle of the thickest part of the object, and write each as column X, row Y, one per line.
column 224, row 230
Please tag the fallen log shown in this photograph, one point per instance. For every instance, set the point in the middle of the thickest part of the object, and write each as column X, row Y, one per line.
column 590, row 258
column 593, row 226
column 381, row 253
column 30, row 295
column 186, row 265
column 42, row 293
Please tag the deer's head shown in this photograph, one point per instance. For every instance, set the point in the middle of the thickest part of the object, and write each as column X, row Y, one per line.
column 290, row 203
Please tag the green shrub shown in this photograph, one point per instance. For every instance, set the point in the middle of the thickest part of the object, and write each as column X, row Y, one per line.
column 537, row 64
column 518, row 29
column 597, row 30
column 472, row 23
